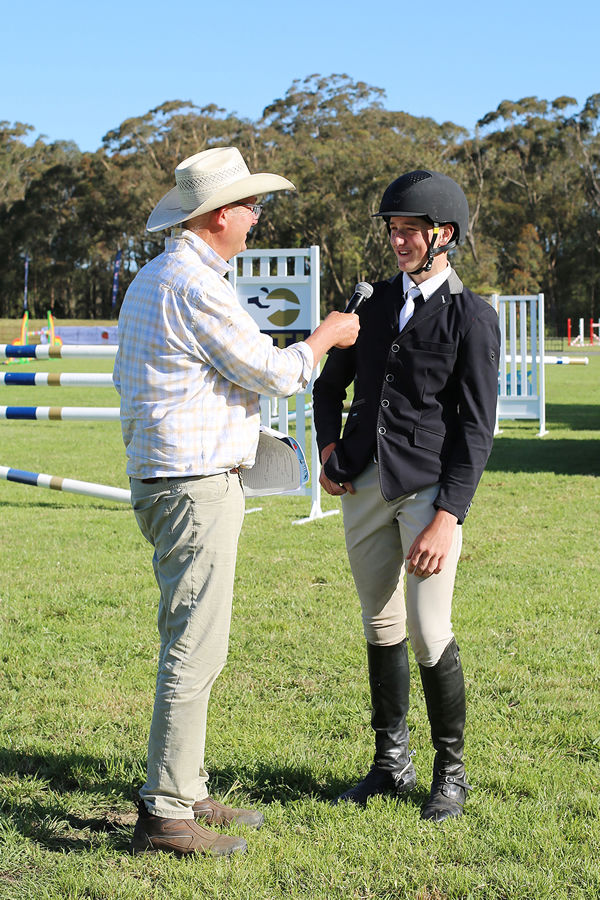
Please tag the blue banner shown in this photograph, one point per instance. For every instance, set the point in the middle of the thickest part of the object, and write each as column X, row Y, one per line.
column 26, row 280
column 115, row 286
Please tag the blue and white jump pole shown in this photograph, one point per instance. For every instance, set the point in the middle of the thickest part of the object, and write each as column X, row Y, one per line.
column 61, row 413
column 69, row 485
column 55, row 351
column 56, row 379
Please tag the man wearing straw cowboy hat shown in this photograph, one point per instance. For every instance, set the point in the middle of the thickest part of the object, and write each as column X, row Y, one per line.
column 190, row 367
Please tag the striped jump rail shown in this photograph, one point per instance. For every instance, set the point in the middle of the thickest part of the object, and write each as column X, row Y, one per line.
column 69, row 485
column 61, row 413
column 72, row 486
column 55, row 351
column 57, row 379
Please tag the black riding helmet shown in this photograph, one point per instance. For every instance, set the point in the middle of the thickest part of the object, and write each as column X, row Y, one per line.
column 428, row 195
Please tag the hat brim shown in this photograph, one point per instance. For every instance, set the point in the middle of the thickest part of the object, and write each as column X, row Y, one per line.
column 168, row 211
column 398, row 212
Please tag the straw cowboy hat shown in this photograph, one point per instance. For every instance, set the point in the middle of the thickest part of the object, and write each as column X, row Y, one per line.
column 208, row 180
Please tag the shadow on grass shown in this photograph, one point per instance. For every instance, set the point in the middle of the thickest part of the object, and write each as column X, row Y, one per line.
column 562, row 456
column 271, row 784
column 48, row 821
column 283, row 784
column 576, row 416
column 67, row 771
column 52, row 503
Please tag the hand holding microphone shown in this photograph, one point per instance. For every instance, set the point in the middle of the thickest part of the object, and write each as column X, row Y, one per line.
column 362, row 292
column 338, row 329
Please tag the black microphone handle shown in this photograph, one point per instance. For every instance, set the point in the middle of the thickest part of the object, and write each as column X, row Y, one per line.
column 354, row 302
column 362, row 292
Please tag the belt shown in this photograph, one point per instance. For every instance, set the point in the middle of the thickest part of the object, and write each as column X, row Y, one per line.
column 234, row 471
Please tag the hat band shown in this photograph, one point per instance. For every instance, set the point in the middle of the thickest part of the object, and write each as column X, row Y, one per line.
column 194, row 190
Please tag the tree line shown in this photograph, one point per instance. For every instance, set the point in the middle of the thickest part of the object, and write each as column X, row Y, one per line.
column 530, row 169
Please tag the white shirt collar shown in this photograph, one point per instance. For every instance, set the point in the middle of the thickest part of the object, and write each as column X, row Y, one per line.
column 208, row 256
column 429, row 286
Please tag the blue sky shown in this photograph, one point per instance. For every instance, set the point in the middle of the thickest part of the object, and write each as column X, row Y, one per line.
column 75, row 70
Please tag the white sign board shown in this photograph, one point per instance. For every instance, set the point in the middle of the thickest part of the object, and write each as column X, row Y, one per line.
column 283, row 312
column 281, row 291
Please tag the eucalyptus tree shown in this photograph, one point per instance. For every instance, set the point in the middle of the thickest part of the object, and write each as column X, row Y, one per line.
column 530, row 171
column 526, row 171
column 334, row 139
column 140, row 156
column 28, row 213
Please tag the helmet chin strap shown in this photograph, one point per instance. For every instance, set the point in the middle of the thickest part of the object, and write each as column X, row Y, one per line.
column 433, row 251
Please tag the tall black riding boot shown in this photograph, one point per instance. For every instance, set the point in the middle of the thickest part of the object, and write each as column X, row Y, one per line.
column 392, row 770
column 444, row 689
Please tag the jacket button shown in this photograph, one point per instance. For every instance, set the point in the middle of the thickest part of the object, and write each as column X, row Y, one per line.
column 385, row 403
column 381, row 430
column 395, row 348
column 389, row 377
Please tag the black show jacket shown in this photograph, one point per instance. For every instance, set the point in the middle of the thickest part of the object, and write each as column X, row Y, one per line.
column 424, row 398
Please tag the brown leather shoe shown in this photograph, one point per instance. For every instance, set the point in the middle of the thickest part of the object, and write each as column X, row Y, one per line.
column 214, row 813
column 180, row 836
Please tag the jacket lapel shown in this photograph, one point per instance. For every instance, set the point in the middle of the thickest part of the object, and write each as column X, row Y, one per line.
column 394, row 299
column 438, row 301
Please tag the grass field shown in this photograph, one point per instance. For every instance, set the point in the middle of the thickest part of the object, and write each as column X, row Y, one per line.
column 289, row 719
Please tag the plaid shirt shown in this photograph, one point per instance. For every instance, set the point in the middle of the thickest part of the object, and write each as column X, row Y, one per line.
column 191, row 364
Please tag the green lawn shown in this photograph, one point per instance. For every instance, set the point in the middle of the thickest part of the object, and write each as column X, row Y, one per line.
column 289, row 720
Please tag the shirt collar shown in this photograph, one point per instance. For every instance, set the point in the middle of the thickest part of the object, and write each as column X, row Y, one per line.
column 429, row 286
column 206, row 253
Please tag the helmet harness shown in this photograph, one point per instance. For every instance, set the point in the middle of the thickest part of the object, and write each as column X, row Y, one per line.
column 432, row 250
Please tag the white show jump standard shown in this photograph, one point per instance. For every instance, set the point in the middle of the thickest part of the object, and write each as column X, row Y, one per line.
column 53, row 351
column 521, row 393
column 288, row 316
column 69, row 485
column 56, row 379
column 61, row 413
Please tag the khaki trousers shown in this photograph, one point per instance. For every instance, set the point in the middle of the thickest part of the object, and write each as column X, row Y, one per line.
column 378, row 536
column 193, row 525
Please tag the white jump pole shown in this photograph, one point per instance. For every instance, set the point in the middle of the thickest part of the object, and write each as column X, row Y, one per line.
column 56, row 379
column 61, row 413
column 69, row 485
column 55, row 351
column 559, row 360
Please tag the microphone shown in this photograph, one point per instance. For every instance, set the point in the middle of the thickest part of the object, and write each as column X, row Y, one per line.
column 362, row 291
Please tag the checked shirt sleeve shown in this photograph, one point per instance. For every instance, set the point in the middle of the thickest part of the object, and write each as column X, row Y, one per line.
column 229, row 339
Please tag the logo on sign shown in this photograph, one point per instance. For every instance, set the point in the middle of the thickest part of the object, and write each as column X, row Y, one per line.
column 281, row 307
column 284, row 314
